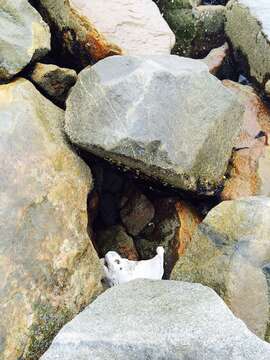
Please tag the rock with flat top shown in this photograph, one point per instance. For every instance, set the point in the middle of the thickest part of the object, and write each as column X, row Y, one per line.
column 153, row 115
column 157, row 320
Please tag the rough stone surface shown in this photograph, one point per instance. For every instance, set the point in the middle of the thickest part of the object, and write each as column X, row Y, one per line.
column 230, row 252
column 157, row 320
column 249, row 169
column 48, row 267
column 251, row 40
column 24, row 37
column 54, row 81
column 173, row 226
column 137, row 211
column 102, row 28
column 216, row 58
column 152, row 115
column 116, row 239
column 198, row 29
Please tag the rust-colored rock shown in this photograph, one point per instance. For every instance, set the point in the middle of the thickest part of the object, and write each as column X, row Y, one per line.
column 249, row 170
column 172, row 227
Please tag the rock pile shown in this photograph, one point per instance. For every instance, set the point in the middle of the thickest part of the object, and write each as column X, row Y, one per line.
column 110, row 143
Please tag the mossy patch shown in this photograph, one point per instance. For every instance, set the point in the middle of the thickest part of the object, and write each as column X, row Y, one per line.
column 48, row 321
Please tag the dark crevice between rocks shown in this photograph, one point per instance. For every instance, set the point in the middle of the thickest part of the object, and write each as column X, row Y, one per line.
column 105, row 203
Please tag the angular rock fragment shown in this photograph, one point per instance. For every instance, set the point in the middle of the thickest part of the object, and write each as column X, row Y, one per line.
column 96, row 29
column 146, row 319
column 164, row 116
column 230, row 252
column 49, row 269
column 251, row 40
column 249, row 170
column 198, row 29
column 24, row 37
column 54, row 81
column 116, row 239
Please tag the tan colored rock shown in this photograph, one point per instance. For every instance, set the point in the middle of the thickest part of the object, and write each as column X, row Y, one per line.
column 101, row 28
column 215, row 59
column 54, row 81
column 48, row 268
column 230, row 252
column 24, row 37
column 249, row 171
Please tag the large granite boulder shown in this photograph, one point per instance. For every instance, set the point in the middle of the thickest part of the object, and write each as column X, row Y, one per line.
column 230, row 253
column 156, row 320
column 251, row 40
column 99, row 28
column 49, row 269
column 24, row 37
column 164, row 116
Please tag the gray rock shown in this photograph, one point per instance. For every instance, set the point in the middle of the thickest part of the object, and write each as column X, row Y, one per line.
column 164, row 116
column 231, row 254
column 49, row 269
column 251, row 40
column 54, row 81
column 157, row 320
column 24, row 37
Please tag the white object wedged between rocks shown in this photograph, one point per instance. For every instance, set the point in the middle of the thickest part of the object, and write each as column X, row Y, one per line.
column 119, row 270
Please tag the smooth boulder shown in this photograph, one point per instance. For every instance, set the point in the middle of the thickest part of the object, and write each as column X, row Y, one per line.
column 24, row 37
column 230, row 252
column 157, row 320
column 163, row 116
column 49, row 269
column 251, row 40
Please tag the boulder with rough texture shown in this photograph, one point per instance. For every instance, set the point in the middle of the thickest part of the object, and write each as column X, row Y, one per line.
column 153, row 115
column 248, row 173
column 101, row 28
column 251, row 40
column 216, row 58
column 198, row 29
column 54, row 81
column 49, row 269
column 157, row 320
column 230, row 252
column 24, row 37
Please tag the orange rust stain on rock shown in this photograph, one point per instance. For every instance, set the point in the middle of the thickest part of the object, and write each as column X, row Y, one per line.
column 189, row 220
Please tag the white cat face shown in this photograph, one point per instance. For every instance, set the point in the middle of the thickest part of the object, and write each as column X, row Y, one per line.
column 113, row 261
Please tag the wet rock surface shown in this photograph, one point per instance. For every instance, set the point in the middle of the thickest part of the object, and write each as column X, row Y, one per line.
column 229, row 253
column 49, row 269
column 181, row 320
column 24, row 37
column 142, row 118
